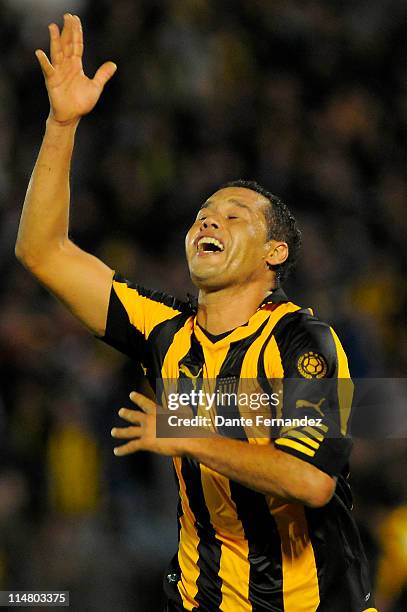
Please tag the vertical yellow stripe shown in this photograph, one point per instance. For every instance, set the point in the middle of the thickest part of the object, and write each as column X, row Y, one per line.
column 214, row 359
column 300, row 580
column 234, row 568
column 272, row 360
column 250, row 387
column 234, row 572
column 188, row 547
column 249, row 371
column 179, row 347
column 345, row 384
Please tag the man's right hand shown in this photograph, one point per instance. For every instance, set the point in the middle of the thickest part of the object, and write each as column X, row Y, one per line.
column 80, row 280
column 71, row 93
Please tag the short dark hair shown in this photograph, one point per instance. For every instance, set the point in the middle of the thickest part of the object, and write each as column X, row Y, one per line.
column 281, row 225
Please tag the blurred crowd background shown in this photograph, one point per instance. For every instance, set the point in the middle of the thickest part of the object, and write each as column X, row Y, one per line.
column 308, row 97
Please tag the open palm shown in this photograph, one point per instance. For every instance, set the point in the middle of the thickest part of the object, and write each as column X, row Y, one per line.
column 71, row 93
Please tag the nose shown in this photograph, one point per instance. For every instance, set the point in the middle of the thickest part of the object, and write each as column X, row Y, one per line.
column 210, row 221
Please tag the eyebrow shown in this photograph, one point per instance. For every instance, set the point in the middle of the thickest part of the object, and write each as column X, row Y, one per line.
column 237, row 202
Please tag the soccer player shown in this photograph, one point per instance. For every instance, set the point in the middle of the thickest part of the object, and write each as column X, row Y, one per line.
column 264, row 525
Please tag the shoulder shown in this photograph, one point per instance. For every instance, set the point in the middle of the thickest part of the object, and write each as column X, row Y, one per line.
column 307, row 345
column 121, row 285
column 302, row 326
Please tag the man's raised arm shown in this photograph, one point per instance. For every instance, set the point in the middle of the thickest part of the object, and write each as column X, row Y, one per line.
column 77, row 278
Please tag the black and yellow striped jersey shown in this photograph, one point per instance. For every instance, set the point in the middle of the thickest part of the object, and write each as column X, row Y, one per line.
column 240, row 550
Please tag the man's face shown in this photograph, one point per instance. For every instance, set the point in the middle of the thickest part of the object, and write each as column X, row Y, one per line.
column 227, row 243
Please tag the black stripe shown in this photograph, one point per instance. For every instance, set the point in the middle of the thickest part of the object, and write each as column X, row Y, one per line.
column 265, row 383
column 159, row 341
column 342, row 577
column 229, row 372
column 313, row 436
column 266, row 577
column 298, row 335
column 298, row 332
column 209, row 596
column 120, row 333
column 261, row 368
column 193, row 361
column 173, row 573
column 233, row 361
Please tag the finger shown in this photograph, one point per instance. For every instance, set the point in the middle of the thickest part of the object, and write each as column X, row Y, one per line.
column 127, row 449
column 55, row 44
column 132, row 416
column 104, row 73
column 45, row 64
column 67, row 35
column 126, row 433
column 145, row 403
column 77, row 37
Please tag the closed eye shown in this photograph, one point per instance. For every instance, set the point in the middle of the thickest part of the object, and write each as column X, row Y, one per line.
column 232, row 217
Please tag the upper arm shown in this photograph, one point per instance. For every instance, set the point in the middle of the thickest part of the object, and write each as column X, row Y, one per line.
column 81, row 281
column 316, row 386
column 136, row 317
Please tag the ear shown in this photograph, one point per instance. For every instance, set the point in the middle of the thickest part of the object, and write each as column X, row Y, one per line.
column 277, row 253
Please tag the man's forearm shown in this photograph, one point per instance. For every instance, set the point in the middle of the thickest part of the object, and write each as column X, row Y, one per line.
column 263, row 468
column 45, row 216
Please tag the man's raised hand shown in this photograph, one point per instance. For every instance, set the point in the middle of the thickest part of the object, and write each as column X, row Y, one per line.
column 71, row 93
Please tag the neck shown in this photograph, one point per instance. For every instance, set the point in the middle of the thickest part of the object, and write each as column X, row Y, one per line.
column 223, row 310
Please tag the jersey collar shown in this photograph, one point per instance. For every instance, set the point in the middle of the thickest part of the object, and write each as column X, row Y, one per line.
column 243, row 331
column 275, row 297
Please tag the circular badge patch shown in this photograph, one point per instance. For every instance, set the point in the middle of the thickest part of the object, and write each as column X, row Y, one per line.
column 312, row 365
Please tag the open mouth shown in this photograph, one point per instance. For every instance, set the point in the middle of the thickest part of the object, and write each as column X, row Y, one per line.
column 208, row 244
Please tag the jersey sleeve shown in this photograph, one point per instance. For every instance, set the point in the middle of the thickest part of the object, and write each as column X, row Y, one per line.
column 133, row 313
column 317, row 394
